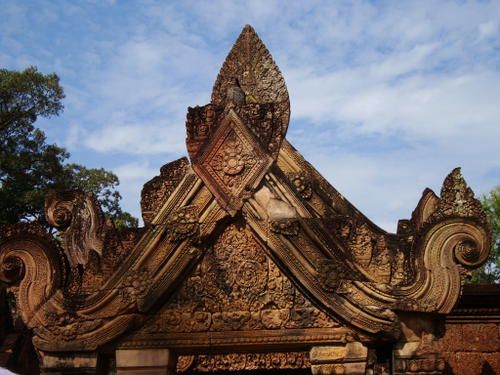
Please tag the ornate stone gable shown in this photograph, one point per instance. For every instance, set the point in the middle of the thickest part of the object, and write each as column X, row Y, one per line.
column 236, row 286
column 249, row 259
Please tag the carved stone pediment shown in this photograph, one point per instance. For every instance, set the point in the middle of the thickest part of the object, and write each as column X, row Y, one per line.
column 245, row 247
column 238, row 290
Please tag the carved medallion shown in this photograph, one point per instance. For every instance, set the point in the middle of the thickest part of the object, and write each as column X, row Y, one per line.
column 232, row 163
column 287, row 227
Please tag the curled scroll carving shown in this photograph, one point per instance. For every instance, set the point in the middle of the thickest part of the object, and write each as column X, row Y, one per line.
column 296, row 263
column 12, row 270
column 32, row 260
column 446, row 247
column 451, row 237
column 79, row 218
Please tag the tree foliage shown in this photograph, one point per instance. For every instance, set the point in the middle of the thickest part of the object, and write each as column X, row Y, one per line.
column 29, row 166
column 490, row 271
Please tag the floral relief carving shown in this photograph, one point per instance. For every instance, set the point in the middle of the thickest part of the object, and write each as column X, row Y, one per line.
column 243, row 362
column 237, row 287
column 68, row 325
column 301, row 184
column 252, row 280
column 233, row 161
column 183, row 223
column 156, row 191
column 135, row 285
column 331, row 273
column 362, row 244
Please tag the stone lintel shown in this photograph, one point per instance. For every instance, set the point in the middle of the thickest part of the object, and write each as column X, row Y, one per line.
column 70, row 363
column 145, row 362
column 346, row 359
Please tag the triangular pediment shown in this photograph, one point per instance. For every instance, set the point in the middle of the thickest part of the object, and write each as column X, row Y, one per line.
column 235, row 287
column 245, row 246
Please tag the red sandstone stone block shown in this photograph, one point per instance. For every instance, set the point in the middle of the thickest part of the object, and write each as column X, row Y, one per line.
column 480, row 337
column 452, row 340
column 465, row 363
column 493, row 360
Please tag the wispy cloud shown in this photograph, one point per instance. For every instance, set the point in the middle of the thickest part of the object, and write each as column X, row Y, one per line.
column 391, row 95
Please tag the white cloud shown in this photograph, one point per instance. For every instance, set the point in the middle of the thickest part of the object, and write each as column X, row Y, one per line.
column 391, row 96
column 135, row 171
column 135, row 139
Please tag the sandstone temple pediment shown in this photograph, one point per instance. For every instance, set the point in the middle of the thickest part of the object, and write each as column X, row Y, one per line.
column 249, row 260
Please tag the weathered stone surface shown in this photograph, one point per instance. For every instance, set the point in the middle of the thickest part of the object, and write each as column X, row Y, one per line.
column 481, row 337
column 249, row 259
column 473, row 337
column 472, row 363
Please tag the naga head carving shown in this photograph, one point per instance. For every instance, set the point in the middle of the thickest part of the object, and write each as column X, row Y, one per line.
column 79, row 218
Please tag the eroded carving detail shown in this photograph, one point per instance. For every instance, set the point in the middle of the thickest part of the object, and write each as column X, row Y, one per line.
column 287, row 227
column 11, row 270
column 351, row 270
column 67, row 325
column 457, row 199
column 183, row 223
column 331, row 273
column 341, row 225
column 81, row 221
column 135, row 285
column 262, row 84
column 156, row 191
column 362, row 244
column 301, row 184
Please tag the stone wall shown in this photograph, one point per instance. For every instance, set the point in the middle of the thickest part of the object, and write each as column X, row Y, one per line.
column 471, row 348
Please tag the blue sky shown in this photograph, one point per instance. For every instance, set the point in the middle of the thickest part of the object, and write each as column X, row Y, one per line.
column 386, row 97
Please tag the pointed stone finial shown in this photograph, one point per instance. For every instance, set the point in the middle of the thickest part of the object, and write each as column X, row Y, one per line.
column 234, row 140
column 251, row 65
column 456, row 200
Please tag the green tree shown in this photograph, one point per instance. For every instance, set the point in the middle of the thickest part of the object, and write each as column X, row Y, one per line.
column 29, row 166
column 490, row 271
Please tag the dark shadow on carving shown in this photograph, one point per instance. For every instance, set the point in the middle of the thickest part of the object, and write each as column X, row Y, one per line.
column 487, row 369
